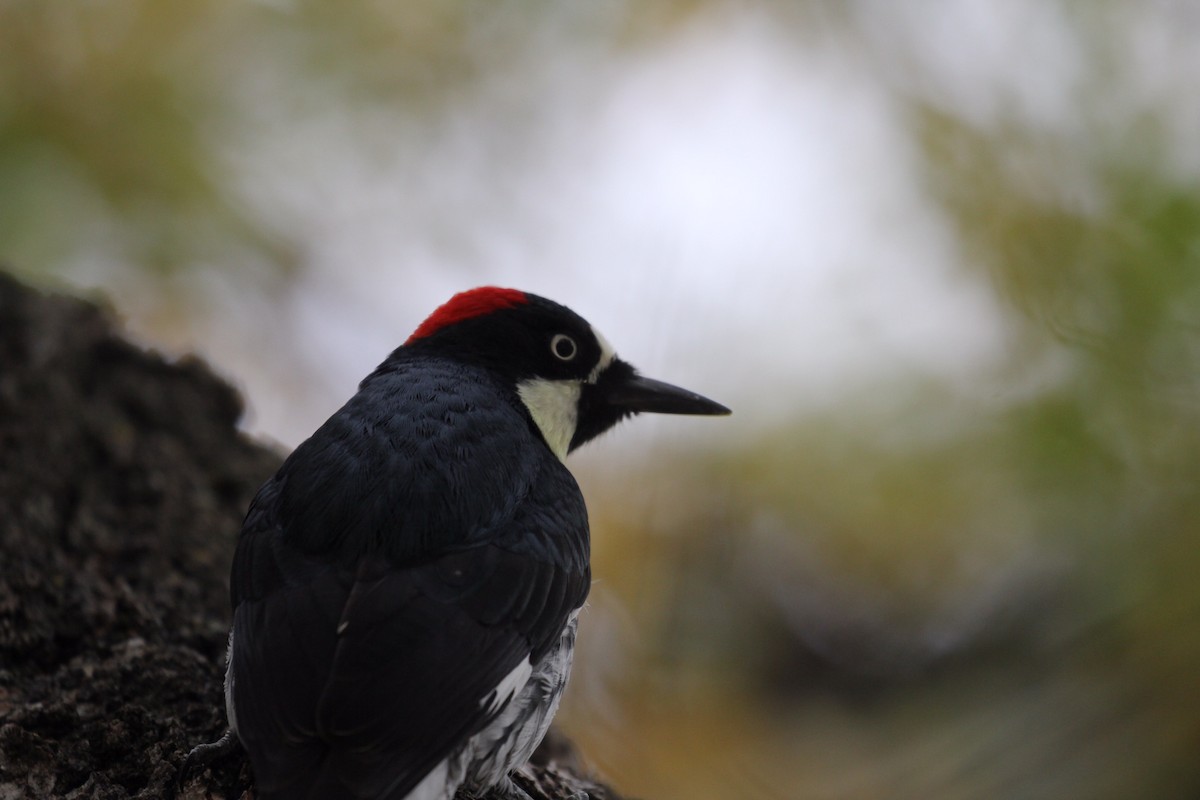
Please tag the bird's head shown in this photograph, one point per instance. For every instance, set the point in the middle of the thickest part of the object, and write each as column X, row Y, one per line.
column 567, row 374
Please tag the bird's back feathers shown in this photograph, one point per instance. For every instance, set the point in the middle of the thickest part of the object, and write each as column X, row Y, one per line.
column 402, row 564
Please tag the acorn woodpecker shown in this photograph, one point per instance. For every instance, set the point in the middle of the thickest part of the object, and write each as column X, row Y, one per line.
column 406, row 587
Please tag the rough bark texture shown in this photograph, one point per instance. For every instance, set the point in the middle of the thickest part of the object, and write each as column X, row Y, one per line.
column 123, row 481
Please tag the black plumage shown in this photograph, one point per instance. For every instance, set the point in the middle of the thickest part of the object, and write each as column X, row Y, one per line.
column 405, row 589
column 388, row 575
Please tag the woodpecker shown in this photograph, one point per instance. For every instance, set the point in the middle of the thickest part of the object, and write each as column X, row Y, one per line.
column 406, row 587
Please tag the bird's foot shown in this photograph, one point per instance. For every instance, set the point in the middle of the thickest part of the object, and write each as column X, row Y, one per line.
column 204, row 754
column 509, row 790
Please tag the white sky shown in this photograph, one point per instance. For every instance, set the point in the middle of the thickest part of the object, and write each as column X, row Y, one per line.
column 736, row 215
column 739, row 212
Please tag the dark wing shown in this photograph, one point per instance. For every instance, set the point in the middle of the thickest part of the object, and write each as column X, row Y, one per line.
column 357, row 678
column 283, row 641
column 365, row 702
column 426, row 667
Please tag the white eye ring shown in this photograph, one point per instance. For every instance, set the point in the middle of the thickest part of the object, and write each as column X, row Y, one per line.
column 563, row 347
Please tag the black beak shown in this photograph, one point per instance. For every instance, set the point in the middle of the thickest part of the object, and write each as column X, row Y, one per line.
column 636, row 393
column 620, row 391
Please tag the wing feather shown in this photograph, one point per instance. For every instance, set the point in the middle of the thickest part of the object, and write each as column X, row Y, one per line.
column 364, row 656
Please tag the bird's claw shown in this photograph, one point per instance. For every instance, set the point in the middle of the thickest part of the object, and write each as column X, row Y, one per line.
column 508, row 789
column 204, row 754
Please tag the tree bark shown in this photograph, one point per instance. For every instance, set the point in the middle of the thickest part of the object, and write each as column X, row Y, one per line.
column 123, row 481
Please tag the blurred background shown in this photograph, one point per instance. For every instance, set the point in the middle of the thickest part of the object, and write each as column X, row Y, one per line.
column 942, row 260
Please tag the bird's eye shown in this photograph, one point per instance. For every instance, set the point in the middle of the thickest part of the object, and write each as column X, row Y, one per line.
column 563, row 347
